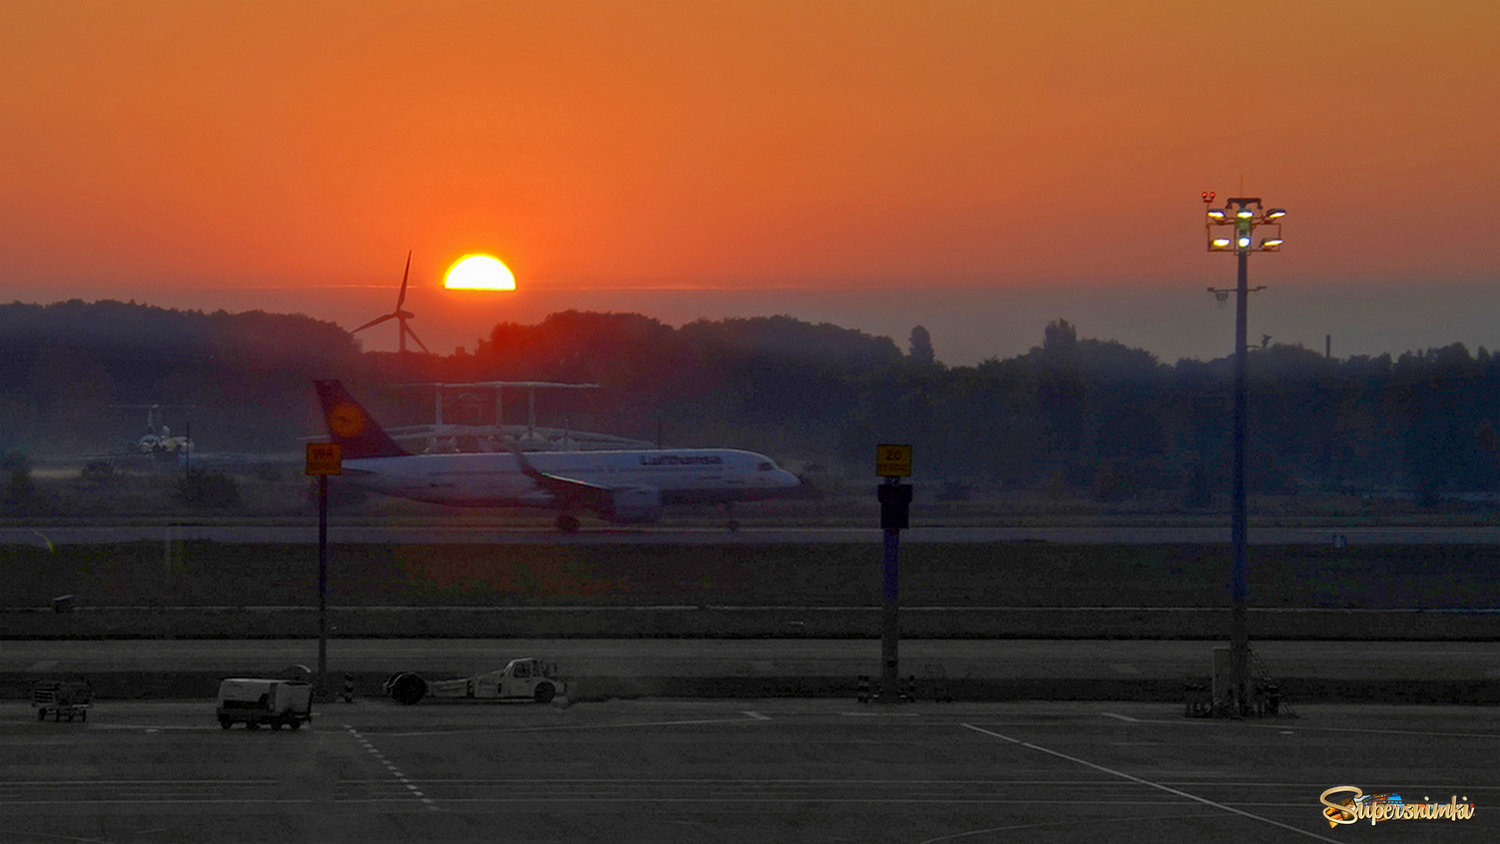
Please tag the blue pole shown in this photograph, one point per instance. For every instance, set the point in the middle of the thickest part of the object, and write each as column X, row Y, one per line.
column 1239, row 588
column 890, row 631
column 322, row 584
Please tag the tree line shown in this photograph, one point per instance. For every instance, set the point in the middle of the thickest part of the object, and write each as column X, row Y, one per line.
column 1073, row 416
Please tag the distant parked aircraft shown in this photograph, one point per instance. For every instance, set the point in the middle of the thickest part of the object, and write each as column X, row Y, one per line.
column 624, row 487
column 158, row 440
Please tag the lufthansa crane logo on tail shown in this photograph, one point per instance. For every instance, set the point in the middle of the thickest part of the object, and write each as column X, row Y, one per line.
column 346, row 420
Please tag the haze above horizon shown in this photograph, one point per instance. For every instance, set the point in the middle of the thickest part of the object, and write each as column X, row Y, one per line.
column 979, row 168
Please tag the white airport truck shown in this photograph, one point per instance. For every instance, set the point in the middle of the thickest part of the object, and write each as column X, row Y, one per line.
column 254, row 701
column 521, row 679
column 64, row 699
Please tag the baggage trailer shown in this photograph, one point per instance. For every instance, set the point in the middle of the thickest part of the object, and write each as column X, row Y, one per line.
column 63, row 698
column 255, row 701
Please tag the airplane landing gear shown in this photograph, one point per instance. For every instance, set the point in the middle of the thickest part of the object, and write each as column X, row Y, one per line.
column 567, row 523
column 731, row 524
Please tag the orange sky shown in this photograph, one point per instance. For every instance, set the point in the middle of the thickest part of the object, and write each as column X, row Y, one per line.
column 759, row 145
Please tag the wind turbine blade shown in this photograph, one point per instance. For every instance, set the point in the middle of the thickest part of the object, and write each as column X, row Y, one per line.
column 376, row 321
column 402, row 297
column 406, row 328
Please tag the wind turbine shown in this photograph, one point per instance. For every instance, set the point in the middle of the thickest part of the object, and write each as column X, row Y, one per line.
column 399, row 315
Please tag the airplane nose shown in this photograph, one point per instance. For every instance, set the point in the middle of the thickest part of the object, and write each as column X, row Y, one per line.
column 806, row 489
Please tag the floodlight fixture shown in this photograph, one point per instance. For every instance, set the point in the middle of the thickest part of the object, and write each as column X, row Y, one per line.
column 1245, row 214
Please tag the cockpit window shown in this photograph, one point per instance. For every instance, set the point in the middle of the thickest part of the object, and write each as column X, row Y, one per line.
column 765, row 466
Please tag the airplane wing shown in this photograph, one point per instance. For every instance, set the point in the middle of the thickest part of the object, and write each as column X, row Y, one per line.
column 567, row 490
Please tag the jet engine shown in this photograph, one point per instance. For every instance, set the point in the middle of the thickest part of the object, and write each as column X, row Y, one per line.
column 635, row 506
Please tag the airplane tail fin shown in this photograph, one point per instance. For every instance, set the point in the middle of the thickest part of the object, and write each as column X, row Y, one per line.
column 351, row 426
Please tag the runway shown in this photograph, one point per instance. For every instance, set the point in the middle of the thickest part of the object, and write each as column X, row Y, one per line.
column 740, row 771
column 446, row 532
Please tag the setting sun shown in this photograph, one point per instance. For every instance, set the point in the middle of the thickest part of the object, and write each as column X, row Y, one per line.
column 479, row 272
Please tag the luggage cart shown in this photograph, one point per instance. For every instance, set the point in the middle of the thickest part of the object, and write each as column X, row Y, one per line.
column 63, row 698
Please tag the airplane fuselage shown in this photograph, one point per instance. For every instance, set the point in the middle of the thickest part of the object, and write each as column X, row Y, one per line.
column 678, row 476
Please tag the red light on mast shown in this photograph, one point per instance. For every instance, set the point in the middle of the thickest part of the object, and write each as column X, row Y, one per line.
column 1208, row 196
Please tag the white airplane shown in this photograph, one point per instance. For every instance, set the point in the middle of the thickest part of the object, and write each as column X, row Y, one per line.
column 158, row 440
column 623, row 487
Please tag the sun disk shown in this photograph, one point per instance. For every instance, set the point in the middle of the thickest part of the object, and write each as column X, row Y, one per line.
column 479, row 272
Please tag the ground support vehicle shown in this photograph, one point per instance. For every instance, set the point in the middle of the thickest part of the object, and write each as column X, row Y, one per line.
column 255, row 701
column 520, row 679
column 63, row 698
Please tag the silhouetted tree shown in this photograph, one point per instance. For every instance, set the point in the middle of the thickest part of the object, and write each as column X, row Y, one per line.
column 208, row 489
column 920, row 346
